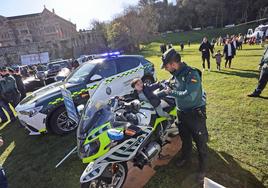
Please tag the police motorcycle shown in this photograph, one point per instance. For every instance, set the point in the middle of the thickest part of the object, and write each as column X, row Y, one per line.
column 112, row 133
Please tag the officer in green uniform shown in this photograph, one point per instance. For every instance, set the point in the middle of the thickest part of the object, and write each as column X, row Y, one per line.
column 191, row 108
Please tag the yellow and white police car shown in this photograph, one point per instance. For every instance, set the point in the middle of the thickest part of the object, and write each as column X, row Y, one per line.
column 44, row 111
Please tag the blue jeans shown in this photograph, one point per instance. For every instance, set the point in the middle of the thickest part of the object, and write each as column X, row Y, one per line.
column 3, row 178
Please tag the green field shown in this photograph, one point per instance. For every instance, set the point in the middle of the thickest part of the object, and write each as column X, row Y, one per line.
column 237, row 126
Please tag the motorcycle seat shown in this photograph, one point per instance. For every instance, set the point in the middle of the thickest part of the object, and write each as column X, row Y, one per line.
column 168, row 109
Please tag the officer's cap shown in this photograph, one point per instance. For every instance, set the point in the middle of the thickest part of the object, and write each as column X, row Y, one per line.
column 169, row 56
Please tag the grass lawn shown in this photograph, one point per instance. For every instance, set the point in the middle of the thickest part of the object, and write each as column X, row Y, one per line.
column 237, row 126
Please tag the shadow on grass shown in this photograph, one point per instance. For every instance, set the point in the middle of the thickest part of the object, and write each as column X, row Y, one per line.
column 247, row 70
column 240, row 74
column 253, row 49
column 222, row 168
column 32, row 161
column 262, row 97
column 247, row 56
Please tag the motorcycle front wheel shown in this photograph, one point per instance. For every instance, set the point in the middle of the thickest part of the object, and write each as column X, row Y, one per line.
column 109, row 179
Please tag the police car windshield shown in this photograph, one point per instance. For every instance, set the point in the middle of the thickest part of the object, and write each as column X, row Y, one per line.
column 80, row 74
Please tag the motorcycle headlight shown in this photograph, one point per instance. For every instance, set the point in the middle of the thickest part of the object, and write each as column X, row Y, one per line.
column 31, row 112
column 90, row 148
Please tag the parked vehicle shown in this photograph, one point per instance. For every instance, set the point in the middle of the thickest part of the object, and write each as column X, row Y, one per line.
column 259, row 31
column 55, row 67
column 43, row 110
column 84, row 58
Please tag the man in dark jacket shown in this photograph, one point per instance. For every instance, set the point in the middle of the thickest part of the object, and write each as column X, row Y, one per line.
column 145, row 93
column 19, row 82
column 206, row 48
column 229, row 51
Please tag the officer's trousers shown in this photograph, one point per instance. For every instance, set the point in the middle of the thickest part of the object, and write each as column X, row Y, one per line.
column 192, row 126
column 3, row 179
column 7, row 112
column 262, row 81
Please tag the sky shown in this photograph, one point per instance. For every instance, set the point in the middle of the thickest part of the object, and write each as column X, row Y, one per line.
column 80, row 12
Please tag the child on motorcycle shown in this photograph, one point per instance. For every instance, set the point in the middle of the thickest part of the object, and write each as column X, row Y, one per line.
column 144, row 92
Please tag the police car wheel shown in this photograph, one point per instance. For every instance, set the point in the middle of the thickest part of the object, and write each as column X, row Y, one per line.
column 148, row 80
column 60, row 123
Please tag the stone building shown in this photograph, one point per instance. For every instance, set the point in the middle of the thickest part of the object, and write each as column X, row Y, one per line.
column 40, row 27
column 45, row 32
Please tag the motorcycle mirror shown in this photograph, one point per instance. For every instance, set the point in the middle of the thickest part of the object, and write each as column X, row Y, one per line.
column 80, row 108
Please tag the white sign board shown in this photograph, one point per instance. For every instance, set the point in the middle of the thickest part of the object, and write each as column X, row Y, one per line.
column 69, row 105
column 208, row 183
column 31, row 59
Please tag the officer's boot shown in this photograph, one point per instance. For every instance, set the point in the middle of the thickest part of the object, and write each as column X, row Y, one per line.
column 256, row 93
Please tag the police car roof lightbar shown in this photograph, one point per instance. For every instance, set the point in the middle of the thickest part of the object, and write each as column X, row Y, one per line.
column 107, row 55
column 110, row 54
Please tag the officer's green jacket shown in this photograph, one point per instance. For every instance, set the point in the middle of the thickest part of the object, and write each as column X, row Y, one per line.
column 187, row 89
column 8, row 84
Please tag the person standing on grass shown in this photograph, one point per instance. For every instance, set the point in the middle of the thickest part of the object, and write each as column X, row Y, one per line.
column 234, row 42
column 8, row 112
column 218, row 57
column 19, row 82
column 263, row 79
column 240, row 41
column 206, row 48
column 9, row 88
column 229, row 52
column 191, row 109
column 182, row 46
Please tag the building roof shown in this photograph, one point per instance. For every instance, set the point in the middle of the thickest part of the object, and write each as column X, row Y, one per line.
column 23, row 16
column 37, row 14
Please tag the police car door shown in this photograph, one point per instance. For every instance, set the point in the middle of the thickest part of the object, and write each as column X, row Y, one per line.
column 128, row 68
column 105, row 90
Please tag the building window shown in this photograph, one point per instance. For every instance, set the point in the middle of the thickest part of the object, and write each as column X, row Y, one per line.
column 5, row 35
column 24, row 32
column 50, row 29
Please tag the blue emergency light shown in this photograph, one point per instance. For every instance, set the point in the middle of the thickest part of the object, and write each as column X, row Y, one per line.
column 110, row 54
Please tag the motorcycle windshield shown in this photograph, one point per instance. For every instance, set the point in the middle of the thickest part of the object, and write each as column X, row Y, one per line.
column 93, row 117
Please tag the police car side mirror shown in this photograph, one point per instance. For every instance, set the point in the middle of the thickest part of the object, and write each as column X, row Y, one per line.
column 96, row 77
